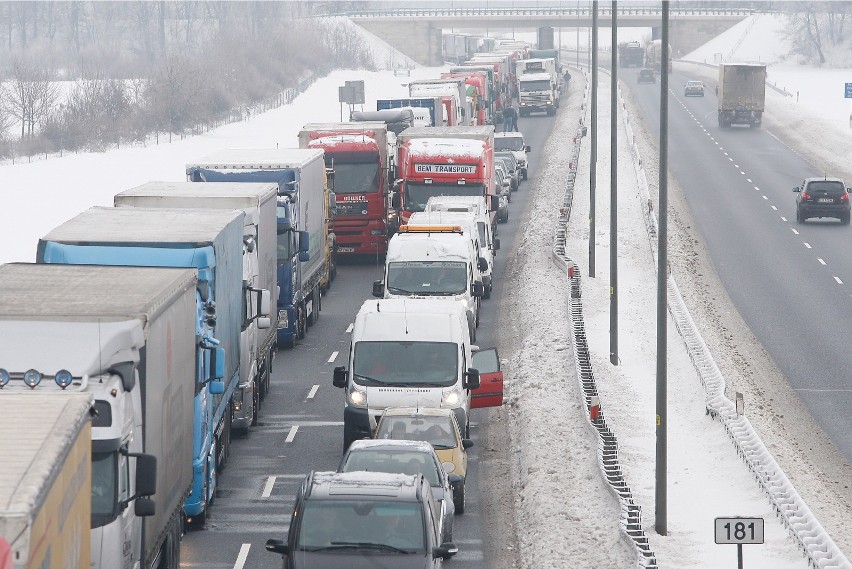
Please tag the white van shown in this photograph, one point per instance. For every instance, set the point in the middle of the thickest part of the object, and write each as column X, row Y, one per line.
column 477, row 206
column 433, row 261
column 406, row 353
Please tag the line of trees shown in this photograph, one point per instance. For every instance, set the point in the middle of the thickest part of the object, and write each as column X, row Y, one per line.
column 89, row 74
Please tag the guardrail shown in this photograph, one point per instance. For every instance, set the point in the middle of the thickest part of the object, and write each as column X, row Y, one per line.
column 536, row 11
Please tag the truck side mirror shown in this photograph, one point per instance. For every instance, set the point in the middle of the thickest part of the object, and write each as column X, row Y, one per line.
column 264, row 323
column 482, row 264
column 395, row 200
column 144, row 507
column 278, row 546
column 496, row 244
column 146, row 474
column 527, row 148
column 471, row 378
column 217, row 362
column 304, row 243
column 263, row 302
column 495, row 203
column 797, row 189
column 378, row 289
column 216, row 387
column 339, row 378
column 477, row 290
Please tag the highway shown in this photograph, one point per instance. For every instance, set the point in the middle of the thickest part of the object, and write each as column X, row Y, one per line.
column 300, row 427
column 790, row 282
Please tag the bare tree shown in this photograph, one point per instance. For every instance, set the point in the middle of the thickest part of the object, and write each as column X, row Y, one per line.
column 30, row 94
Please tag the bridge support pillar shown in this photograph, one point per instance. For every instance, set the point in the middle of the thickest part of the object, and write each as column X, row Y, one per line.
column 420, row 41
column 545, row 38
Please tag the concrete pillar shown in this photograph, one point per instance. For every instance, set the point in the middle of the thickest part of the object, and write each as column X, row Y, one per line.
column 545, row 38
column 418, row 40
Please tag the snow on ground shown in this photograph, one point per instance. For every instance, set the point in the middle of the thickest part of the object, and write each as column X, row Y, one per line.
column 566, row 515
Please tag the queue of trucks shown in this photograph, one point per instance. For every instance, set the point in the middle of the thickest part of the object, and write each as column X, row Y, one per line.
column 166, row 312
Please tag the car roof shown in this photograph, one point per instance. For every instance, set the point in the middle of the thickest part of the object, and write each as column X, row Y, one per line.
column 391, row 444
column 358, row 485
column 824, row 179
column 693, row 82
column 415, row 411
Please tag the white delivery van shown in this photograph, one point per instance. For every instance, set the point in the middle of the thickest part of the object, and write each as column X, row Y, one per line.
column 477, row 206
column 406, row 353
column 433, row 261
column 467, row 221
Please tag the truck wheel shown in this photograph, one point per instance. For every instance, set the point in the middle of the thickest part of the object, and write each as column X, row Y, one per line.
column 315, row 306
column 301, row 322
column 256, row 404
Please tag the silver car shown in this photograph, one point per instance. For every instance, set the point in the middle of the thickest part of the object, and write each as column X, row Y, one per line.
column 511, row 165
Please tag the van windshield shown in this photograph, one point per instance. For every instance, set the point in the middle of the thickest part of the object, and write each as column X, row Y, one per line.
column 434, row 278
column 418, row 193
column 406, row 363
column 376, row 525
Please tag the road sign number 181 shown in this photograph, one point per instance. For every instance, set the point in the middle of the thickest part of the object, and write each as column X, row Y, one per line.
column 739, row 530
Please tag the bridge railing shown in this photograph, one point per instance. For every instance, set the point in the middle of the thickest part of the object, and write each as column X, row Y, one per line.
column 536, row 11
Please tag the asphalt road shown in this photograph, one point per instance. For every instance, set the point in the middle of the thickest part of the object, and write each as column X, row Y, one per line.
column 789, row 281
column 300, row 426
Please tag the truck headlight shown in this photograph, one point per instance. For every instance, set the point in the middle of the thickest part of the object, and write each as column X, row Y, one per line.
column 451, row 398
column 357, row 397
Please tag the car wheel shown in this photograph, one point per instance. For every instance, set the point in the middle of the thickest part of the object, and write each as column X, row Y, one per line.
column 525, row 174
column 799, row 217
column 845, row 219
column 458, row 498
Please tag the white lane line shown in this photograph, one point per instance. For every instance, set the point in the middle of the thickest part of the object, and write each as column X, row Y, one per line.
column 241, row 558
column 313, row 391
column 808, row 245
column 766, row 198
column 333, row 357
column 794, row 231
column 292, row 434
column 349, row 329
column 783, row 218
column 748, row 180
column 774, row 208
column 838, row 280
column 821, row 262
column 731, row 159
column 741, row 172
column 757, row 189
column 267, row 488
column 725, row 153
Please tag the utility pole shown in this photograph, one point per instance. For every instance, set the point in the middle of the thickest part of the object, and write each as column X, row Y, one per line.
column 661, row 521
column 613, row 195
column 594, row 158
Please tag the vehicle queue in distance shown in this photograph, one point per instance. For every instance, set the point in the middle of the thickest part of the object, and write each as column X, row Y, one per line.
column 210, row 278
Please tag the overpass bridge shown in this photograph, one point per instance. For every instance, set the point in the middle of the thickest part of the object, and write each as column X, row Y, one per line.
column 417, row 32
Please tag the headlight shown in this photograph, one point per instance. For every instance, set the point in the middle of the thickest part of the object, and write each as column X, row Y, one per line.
column 357, row 397
column 451, row 398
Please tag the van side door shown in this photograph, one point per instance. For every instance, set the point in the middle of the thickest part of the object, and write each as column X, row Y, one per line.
column 490, row 390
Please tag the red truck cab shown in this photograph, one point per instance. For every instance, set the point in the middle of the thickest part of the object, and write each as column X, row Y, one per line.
column 477, row 80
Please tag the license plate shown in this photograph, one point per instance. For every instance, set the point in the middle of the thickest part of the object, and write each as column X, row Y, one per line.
column 346, row 249
column 826, row 200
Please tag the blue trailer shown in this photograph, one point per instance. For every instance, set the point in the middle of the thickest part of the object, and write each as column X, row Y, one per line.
column 210, row 241
column 305, row 253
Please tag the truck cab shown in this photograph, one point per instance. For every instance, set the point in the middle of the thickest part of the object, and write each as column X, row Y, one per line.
column 406, row 353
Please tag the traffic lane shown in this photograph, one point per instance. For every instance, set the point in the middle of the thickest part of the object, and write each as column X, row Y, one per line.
column 794, row 301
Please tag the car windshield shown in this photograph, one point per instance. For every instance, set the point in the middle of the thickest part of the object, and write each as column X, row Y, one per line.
column 405, row 363
column 383, row 526
column 439, row 431
column 434, row 278
column 393, row 461
column 508, row 143
column 417, row 194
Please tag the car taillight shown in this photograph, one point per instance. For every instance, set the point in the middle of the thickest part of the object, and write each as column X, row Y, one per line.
column 844, row 197
column 805, row 196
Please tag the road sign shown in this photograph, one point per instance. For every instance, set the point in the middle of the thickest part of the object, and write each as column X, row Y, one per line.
column 848, row 93
column 739, row 531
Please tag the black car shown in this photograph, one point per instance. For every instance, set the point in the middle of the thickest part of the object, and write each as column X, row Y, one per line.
column 822, row 197
column 362, row 520
column 646, row 76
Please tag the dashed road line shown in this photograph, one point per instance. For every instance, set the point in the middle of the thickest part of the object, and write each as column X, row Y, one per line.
column 808, row 245
column 821, row 262
column 242, row 556
column 838, row 280
column 267, row 488
column 313, row 391
column 333, row 357
column 784, row 219
column 349, row 329
column 766, row 198
column 793, row 229
column 292, row 434
column 774, row 208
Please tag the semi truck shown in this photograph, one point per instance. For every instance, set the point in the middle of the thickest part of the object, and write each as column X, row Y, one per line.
column 306, row 256
column 257, row 336
column 538, row 86
column 211, row 242
column 436, row 161
column 124, row 339
column 630, row 53
column 477, row 89
column 432, row 104
column 491, row 98
column 361, row 157
column 654, row 56
column 45, row 481
column 741, row 94
column 453, row 94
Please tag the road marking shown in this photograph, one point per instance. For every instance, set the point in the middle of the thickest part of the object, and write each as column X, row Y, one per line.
column 292, row 434
column 349, row 329
column 794, row 231
column 821, row 262
column 766, row 198
column 241, row 558
column 774, row 208
column 741, row 172
column 783, row 218
column 808, row 245
column 838, row 280
column 313, row 391
column 729, row 158
column 748, row 180
column 267, row 488
column 333, row 357
column 756, row 188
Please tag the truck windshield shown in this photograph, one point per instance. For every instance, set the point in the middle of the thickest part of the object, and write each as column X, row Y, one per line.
column 427, row 277
column 406, row 363
column 329, row 526
column 508, row 143
column 418, row 193
column 542, row 85
column 356, row 178
column 104, row 487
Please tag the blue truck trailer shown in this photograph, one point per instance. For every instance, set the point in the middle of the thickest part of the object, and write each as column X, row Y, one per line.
column 305, row 254
column 211, row 242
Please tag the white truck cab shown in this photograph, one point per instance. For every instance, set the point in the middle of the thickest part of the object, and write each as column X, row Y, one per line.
column 478, row 207
column 406, row 353
column 433, row 261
